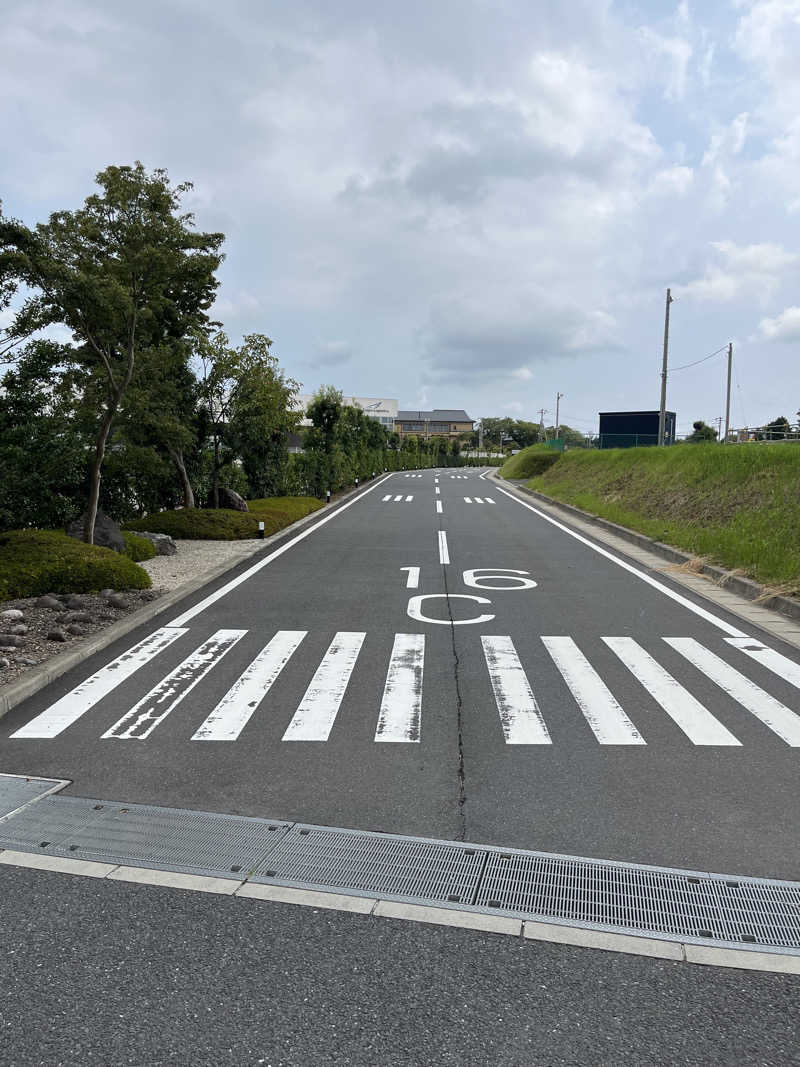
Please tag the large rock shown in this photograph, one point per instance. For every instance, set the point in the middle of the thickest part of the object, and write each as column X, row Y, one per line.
column 163, row 543
column 229, row 498
column 107, row 533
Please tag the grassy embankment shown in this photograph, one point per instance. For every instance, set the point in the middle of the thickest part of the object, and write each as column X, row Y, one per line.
column 735, row 505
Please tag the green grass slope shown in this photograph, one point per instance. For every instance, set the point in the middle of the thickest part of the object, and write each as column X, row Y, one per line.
column 533, row 460
column 737, row 505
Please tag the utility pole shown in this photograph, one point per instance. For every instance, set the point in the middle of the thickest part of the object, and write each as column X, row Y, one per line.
column 542, row 412
column 728, row 392
column 718, row 421
column 662, row 413
column 558, row 402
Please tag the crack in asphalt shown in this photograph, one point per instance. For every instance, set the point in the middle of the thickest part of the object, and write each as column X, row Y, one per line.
column 461, row 834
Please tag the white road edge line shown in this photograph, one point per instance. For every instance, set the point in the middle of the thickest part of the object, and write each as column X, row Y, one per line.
column 181, row 620
column 682, row 600
column 532, row 930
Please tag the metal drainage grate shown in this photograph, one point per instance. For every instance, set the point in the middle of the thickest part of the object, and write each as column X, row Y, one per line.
column 16, row 792
column 652, row 900
column 375, row 864
column 142, row 835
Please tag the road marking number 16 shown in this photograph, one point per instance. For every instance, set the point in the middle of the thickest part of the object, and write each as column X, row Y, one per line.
column 478, row 578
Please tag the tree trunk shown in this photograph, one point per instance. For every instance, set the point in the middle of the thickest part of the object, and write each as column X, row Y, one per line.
column 176, row 455
column 97, row 464
column 216, row 477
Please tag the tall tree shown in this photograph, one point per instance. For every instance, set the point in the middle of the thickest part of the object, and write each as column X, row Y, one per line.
column 217, row 361
column 123, row 273
column 325, row 410
column 44, row 437
column 262, row 415
column 160, row 409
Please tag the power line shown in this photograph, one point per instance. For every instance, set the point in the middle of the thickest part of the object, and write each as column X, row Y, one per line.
column 687, row 365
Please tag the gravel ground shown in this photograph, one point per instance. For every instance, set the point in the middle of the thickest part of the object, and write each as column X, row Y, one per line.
column 81, row 615
column 193, row 558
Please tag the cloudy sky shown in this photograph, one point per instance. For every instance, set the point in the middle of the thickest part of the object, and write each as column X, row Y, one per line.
column 457, row 203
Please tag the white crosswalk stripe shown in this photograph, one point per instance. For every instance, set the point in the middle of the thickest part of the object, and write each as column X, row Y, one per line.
column 76, row 703
column 697, row 722
column 401, row 706
column 236, row 708
column 776, row 716
column 316, row 714
column 153, row 708
column 520, row 716
column 767, row 657
column 609, row 723
column 399, row 714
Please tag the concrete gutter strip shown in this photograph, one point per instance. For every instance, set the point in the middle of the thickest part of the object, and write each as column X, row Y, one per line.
column 39, row 677
column 735, row 583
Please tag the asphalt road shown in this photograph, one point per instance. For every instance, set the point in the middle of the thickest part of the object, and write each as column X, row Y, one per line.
column 564, row 721
column 105, row 974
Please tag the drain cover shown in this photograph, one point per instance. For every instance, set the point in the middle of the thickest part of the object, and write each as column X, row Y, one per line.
column 142, row 835
column 374, row 864
column 16, row 792
column 651, row 900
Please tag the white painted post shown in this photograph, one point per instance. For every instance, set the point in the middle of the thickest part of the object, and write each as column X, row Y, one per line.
column 261, row 531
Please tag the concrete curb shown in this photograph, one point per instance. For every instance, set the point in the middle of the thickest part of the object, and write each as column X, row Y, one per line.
column 32, row 681
column 735, row 583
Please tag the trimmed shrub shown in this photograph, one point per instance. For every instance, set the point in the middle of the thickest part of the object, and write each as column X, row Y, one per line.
column 35, row 562
column 221, row 524
column 137, row 548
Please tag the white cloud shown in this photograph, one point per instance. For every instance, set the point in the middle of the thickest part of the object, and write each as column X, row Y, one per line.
column 784, row 327
column 671, row 55
column 752, row 271
column 465, row 191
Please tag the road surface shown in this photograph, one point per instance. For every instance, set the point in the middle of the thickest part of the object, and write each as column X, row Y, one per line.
column 439, row 659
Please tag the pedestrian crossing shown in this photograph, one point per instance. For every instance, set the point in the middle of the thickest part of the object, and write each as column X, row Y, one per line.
column 397, row 499
column 412, row 475
column 478, row 500
column 524, row 719
column 459, row 477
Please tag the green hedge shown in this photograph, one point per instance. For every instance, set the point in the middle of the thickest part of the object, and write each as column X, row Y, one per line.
column 138, row 548
column 35, row 562
column 221, row 524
